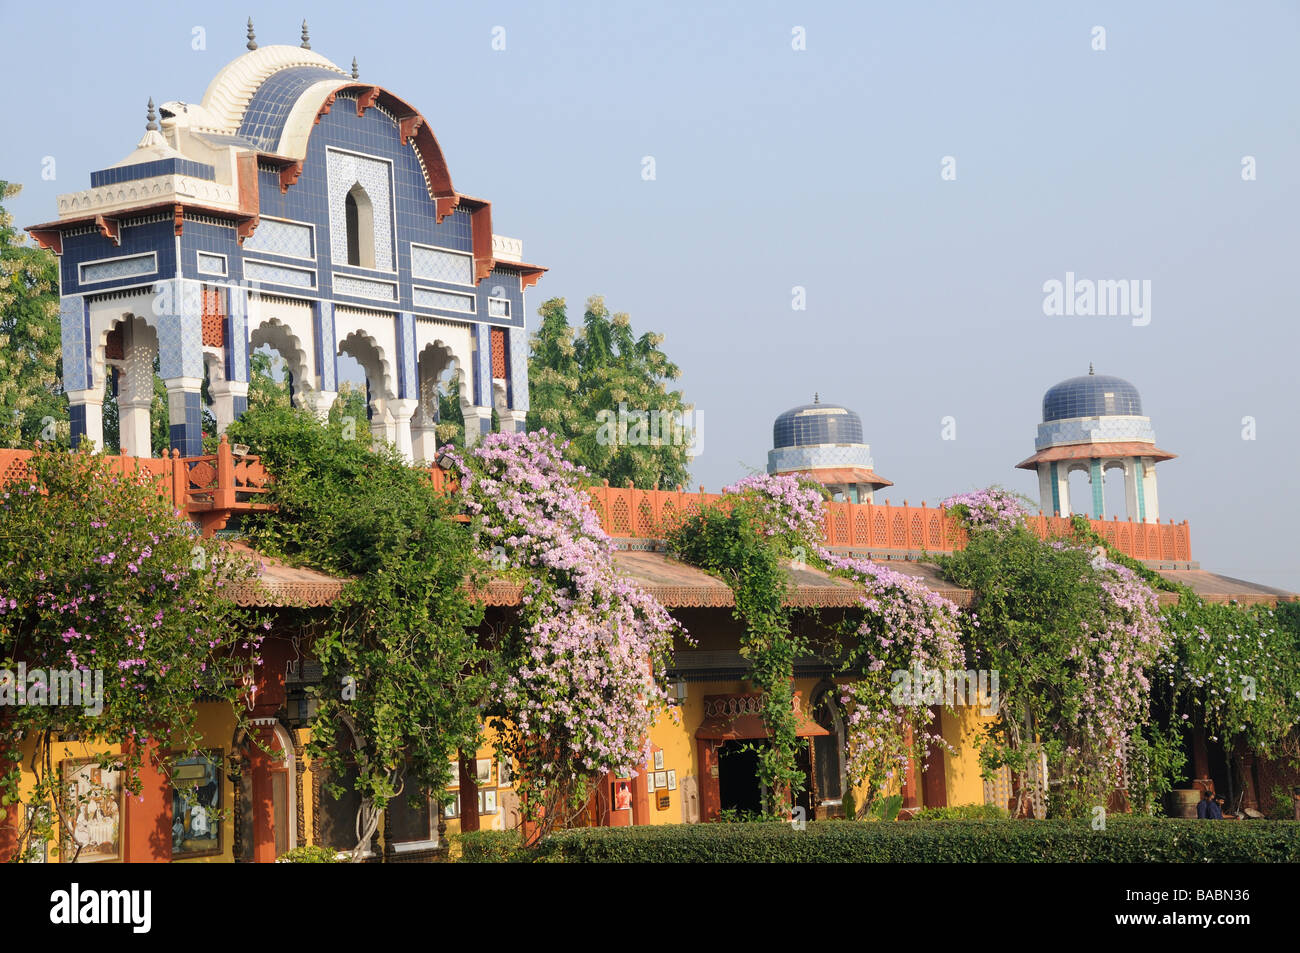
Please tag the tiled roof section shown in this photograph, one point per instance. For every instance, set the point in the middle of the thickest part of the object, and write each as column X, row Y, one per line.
column 278, row 584
column 1216, row 588
column 1090, row 451
column 269, row 108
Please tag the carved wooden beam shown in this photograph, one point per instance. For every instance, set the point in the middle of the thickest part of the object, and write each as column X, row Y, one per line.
column 245, row 227
column 289, row 175
column 444, row 205
column 108, row 228
column 51, row 239
column 529, row 278
column 367, row 99
column 409, row 125
column 329, row 101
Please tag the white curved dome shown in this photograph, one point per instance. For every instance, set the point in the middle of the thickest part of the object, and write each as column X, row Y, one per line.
column 227, row 96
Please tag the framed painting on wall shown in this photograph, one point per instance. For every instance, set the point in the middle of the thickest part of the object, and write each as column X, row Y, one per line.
column 196, row 805
column 92, row 810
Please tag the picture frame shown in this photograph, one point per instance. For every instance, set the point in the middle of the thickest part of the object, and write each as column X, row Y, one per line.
column 452, row 807
column 672, row 780
column 487, row 801
column 659, row 759
column 455, row 776
column 483, row 771
column 505, row 776
column 93, row 811
column 197, row 808
column 650, row 780
column 661, row 780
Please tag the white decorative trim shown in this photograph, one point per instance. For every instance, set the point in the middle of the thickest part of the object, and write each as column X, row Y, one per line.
column 472, row 309
column 507, row 249
column 159, row 188
column 228, row 95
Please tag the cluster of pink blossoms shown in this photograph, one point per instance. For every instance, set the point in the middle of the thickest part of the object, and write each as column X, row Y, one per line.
column 792, row 506
column 990, row 508
column 584, row 676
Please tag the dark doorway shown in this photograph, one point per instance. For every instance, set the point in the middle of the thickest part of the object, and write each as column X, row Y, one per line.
column 738, row 787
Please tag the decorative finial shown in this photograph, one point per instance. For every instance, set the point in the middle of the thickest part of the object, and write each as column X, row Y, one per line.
column 306, row 40
column 1090, row 372
column 153, row 117
column 252, row 37
column 355, row 73
column 817, row 398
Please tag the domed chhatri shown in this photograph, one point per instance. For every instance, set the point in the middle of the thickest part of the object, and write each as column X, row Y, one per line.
column 1093, row 395
column 297, row 208
column 825, row 442
column 1094, row 423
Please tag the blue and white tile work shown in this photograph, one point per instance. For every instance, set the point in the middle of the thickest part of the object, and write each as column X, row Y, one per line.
column 443, row 300
column 93, row 272
column 455, row 268
column 266, row 272
column 348, row 170
column 274, row 237
column 74, row 323
column 785, row 459
column 147, row 170
column 365, row 288
column 1116, row 429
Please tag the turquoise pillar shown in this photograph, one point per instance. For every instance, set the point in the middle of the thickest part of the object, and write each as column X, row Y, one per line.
column 1098, row 499
column 1056, row 491
column 1142, row 500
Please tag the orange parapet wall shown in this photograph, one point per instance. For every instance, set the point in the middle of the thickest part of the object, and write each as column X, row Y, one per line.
column 210, row 488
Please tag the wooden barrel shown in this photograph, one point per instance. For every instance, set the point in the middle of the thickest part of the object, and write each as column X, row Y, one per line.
column 1182, row 803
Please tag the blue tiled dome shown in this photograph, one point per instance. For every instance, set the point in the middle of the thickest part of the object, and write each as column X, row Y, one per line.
column 814, row 424
column 1093, row 395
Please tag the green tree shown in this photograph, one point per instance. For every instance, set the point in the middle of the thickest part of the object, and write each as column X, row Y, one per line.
column 401, row 639
column 31, row 395
column 605, row 390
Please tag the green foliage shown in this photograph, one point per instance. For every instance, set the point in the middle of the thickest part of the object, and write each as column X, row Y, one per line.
column 732, row 542
column 572, row 381
column 98, row 575
column 399, row 651
column 264, row 389
column 1125, row 840
column 31, row 393
column 1045, row 617
column 310, row 854
column 961, row 812
column 1234, row 670
column 887, row 808
column 491, row 847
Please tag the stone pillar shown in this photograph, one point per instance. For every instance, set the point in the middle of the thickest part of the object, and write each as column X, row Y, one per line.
column 424, row 436
column 478, row 421
column 1061, row 480
column 1131, row 469
column 86, row 408
column 512, row 421
column 185, row 415
column 402, row 409
column 1151, row 502
column 318, row 402
column 1044, row 488
column 226, row 404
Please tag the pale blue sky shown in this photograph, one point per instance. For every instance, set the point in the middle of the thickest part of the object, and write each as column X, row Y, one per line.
column 820, row 168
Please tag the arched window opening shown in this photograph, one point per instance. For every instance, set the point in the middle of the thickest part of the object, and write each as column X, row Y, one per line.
column 360, row 223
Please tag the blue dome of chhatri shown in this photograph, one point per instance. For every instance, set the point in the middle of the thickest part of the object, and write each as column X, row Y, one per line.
column 816, row 424
column 1093, row 395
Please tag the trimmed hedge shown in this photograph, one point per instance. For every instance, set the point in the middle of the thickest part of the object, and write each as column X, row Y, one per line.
column 1125, row 840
